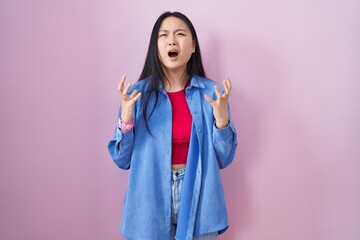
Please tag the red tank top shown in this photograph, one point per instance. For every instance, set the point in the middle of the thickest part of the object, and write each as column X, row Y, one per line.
column 181, row 127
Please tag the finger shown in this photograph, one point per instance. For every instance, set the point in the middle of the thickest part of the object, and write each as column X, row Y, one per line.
column 217, row 92
column 121, row 84
column 126, row 90
column 137, row 96
column 228, row 82
column 133, row 94
column 211, row 101
column 226, row 88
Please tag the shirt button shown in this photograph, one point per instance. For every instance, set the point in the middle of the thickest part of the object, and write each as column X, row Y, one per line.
column 195, row 112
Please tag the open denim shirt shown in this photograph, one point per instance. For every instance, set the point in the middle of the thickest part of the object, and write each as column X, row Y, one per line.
column 147, row 207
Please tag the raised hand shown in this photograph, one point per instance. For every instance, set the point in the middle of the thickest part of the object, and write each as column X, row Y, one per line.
column 127, row 102
column 220, row 105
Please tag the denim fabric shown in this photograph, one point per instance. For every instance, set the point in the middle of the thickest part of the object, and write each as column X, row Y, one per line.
column 147, row 208
column 177, row 182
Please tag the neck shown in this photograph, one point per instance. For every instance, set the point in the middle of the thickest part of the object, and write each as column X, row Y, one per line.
column 176, row 80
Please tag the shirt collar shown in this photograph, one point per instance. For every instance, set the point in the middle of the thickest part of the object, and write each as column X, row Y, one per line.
column 195, row 81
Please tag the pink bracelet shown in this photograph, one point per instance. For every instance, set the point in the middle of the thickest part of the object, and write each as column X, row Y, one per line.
column 126, row 126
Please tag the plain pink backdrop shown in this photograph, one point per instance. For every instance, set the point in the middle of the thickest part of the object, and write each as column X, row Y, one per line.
column 295, row 68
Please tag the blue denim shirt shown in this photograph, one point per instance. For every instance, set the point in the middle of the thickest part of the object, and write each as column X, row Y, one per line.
column 147, row 206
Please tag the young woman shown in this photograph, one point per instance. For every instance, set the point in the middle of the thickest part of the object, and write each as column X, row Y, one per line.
column 174, row 133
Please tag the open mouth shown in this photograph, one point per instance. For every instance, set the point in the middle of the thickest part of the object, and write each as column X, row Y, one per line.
column 173, row 54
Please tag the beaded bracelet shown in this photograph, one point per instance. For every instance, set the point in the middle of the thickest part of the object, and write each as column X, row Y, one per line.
column 126, row 126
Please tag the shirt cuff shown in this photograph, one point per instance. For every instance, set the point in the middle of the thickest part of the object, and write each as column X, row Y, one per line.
column 223, row 133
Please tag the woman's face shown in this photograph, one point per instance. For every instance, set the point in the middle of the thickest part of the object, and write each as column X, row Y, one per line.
column 175, row 44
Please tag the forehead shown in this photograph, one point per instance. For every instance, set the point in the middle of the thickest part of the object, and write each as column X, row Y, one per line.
column 173, row 23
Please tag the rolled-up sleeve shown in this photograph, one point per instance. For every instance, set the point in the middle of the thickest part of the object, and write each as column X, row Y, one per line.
column 120, row 147
column 225, row 143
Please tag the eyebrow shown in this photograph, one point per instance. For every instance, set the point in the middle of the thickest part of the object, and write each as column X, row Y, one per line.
column 177, row 30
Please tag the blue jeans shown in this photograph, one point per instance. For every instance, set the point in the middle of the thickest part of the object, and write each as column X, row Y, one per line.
column 177, row 182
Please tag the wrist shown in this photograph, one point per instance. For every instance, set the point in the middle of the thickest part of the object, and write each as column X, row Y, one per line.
column 126, row 126
column 126, row 117
column 221, row 124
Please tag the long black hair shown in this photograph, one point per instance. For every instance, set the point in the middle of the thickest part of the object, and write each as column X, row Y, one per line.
column 152, row 70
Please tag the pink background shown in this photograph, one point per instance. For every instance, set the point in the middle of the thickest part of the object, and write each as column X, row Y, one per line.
column 295, row 67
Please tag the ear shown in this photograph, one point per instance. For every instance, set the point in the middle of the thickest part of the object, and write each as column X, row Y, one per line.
column 194, row 45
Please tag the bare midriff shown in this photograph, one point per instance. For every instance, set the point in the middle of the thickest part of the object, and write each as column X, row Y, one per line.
column 178, row 166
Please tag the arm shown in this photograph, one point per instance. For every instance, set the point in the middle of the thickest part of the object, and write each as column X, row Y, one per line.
column 224, row 133
column 121, row 145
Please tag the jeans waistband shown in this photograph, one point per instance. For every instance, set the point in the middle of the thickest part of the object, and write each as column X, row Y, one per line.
column 178, row 173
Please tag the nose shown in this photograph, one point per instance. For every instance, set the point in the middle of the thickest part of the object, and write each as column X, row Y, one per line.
column 172, row 41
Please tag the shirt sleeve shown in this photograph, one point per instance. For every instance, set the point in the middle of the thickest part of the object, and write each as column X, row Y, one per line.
column 225, row 143
column 120, row 147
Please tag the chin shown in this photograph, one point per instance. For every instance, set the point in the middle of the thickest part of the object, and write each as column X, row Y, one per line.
column 173, row 66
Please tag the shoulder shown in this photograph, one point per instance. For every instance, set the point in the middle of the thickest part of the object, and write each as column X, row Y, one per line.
column 140, row 85
column 205, row 83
